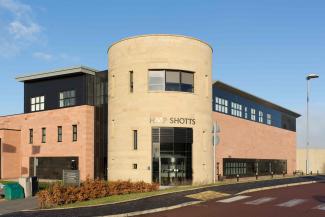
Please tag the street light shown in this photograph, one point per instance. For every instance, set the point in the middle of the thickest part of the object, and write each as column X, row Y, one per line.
column 309, row 77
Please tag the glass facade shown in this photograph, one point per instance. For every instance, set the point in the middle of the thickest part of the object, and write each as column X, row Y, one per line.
column 243, row 107
column 172, row 155
column 250, row 167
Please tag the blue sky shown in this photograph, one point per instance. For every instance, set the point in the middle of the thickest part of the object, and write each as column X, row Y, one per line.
column 263, row 47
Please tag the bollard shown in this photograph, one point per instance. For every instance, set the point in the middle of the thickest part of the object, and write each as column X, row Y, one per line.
column 283, row 173
column 256, row 175
column 237, row 178
column 311, row 172
column 317, row 172
column 272, row 175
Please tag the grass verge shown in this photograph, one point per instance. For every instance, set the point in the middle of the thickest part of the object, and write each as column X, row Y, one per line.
column 136, row 196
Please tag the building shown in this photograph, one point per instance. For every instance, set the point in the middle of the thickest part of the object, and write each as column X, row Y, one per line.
column 316, row 160
column 148, row 117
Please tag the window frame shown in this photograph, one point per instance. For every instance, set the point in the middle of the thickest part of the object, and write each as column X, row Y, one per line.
column 253, row 114
column 38, row 104
column 31, row 136
column 135, row 139
column 268, row 119
column 67, row 99
column 260, row 116
column 180, row 83
column 131, row 74
column 221, row 105
column 60, row 133
column 74, row 133
column 43, row 134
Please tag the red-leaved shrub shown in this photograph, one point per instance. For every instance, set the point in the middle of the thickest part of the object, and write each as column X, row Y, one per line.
column 58, row 194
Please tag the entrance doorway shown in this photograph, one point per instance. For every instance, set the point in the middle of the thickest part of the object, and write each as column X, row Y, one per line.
column 172, row 155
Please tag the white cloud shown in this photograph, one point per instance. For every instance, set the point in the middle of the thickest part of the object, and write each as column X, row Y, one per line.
column 56, row 57
column 18, row 27
column 43, row 56
column 20, row 30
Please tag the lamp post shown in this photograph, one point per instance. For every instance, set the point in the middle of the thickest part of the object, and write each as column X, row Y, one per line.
column 308, row 78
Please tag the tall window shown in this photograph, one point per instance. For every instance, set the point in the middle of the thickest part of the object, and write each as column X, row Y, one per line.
column 74, row 133
column 135, row 139
column 31, row 136
column 246, row 112
column 43, row 135
column 131, row 81
column 67, row 98
column 37, row 103
column 59, row 133
column 236, row 109
column 171, row 80
column 221, row 105
column 269, row 119
column 260, row 116
column 253, row 114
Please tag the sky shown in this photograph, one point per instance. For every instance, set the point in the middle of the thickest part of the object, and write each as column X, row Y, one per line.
column 264, row 47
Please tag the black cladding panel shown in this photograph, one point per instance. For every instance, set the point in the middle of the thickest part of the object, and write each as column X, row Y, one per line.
column 51, row 88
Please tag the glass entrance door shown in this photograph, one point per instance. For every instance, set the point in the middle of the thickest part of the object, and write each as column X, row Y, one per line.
column 173, row 170
column 172, row 155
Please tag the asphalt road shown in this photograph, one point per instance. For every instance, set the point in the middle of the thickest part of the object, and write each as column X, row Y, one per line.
column 297, row 201
column 150, row 203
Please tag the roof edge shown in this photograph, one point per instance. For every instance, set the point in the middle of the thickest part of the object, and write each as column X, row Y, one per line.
column 57, row 72
column 148, row 35
column 276, row 106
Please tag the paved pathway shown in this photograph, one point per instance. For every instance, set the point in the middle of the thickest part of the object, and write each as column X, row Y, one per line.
column 160, row 201
column 15, row 205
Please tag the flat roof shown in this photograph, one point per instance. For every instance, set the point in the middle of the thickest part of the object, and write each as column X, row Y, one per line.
column 57, row 72
column 254, row 98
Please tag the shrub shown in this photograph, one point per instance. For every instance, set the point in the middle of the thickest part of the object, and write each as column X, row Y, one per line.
column 57, row 194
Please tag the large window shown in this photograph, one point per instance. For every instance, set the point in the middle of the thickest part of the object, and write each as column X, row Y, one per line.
column 221, row 105
column 246, row 112
column 171, row 80
column 236, row 109
column 67, row 98
column 37, row 103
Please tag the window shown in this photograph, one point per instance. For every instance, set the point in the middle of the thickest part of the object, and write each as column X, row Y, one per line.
column 171, row 80
column 131, row 81
column 221, row 105
column 236, row 109
column 59, row 134
column 246, row 112
column 269, row 119
column 67, row 98
column 74, row 133
column 43, row 135
column 253, row 114
column 135, row 166
column 135, row 139
column 157, row 80
column 260, row 116
column 37, row 103
column 31, row 136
